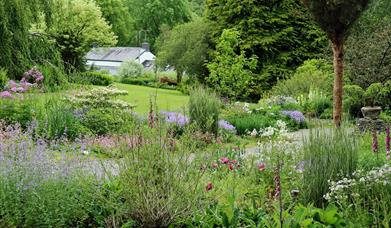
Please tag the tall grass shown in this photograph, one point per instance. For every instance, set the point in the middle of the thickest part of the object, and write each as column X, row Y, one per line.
column 159, row 181
column 204, row 108
column 327, row 154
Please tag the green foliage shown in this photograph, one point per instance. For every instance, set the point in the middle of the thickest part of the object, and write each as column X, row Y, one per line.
column 204, row 110
column 3, row 78
column 144, row 81
column 130, row 69
column 150, row 15
column 327, row 154
column 54, row 77
column 95, row 78
column 76, row 26
column 186, row 48
column 18, row 111
column 373, row 95
column 57, row 120
column 162, row 187
column 353, row 99
column 314, row 73
column 230, row 73
column 279, row 33
column 117, row 13
column 367, row 54
column 17, row 46
column 336, row 17
column 105, row 121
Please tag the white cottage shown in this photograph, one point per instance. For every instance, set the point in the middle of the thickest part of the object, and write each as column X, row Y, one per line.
column 111, row 58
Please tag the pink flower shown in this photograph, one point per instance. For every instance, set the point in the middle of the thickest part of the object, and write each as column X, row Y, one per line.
column 230, row 167
column 261, row 167
column 214, row 165
column 374, row 142
column 12, row 84
column 234, row 161
column 5, row 94
column 224, row 160
column 209, row 186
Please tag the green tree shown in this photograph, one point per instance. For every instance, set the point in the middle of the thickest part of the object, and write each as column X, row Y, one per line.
column 150, row 15
column 230, row 73
column 186, row 48
column 117, row 13
column 368, row 48
column 336, row 18
column 77, row 25
column 17, row 44
column 279, row 32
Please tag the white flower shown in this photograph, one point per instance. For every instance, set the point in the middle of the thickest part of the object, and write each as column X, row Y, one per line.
column 254, row 133
column 85, row 152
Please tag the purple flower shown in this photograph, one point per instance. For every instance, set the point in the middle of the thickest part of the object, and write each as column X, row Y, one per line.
column 294, row 115
column 226, row 126
column 5, row 94
column 175, row 118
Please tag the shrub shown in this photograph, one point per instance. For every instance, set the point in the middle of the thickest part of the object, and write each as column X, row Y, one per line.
column 130, row 69
column 54, row 77
column 327, row 154
column 139, row 81
column 104, row 121
column 3, row 78
column 315, row 103
column 314, row 73
column 162, row 187
column 93, row 78
column 18, row 111
column 353, row 100
column 204, row 110
column 373, row 95
column 247, row 122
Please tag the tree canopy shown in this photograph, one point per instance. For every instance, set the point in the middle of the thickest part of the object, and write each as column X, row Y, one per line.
column 186, row 48
column 280, row 33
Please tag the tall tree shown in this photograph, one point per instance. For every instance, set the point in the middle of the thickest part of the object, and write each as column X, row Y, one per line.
column 368, row 48
column 77, row 25
column 16, row 17
column 186, row 48
column 279, row 32
column 336, row 17
column 150, row 15
column 116, row 12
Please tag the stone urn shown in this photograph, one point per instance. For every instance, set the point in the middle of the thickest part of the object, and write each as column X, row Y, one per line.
column 371, row 112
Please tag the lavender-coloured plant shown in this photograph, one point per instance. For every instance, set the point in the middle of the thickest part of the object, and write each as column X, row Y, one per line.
column 223, row 124
column 294, row 115
column 175, row 118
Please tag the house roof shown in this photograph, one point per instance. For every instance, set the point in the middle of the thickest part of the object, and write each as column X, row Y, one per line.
column 115, row 54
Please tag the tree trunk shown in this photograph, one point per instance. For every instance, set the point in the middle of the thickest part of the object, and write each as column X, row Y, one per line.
column 338, row 82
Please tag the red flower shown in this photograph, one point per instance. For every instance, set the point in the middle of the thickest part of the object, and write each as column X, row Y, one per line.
column 209, row 186
column 230, row 167
column 234, row 161
column 214, row 165
column 224, row 160
column 261, row 167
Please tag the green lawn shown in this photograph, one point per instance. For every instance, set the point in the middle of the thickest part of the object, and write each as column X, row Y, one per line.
column 168, row 100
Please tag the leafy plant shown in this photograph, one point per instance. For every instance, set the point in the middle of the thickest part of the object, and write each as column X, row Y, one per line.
column 130, row 69
column 314, row 73
column 162, row 186
column 353, row 99
column 204, row 110
column 95, row 78
column 3, row 78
